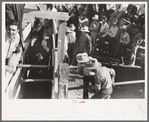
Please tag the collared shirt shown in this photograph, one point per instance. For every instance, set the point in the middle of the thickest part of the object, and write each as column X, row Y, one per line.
column 11, row 45
column 103, row 77
column 104, row 27
column 125, row 38
column 112, row 31
column 94, row 26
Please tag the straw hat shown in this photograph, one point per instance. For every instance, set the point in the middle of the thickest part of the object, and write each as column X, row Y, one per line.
column 96, row 17
column 93, row 64
column 85, row 29
column 72, row 27
column 82, row 58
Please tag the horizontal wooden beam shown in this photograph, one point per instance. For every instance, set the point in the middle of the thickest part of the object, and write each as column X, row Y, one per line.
column 118, row 83
column 73, row 67
column 50, row 15
column 33, row 66
column 36, row 80
column 129, row 82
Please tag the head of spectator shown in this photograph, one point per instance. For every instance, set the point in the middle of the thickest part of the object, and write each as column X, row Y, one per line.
column 50, row 6
column 95, row 17
column 103, row 18
column 85, row 29
column 72, row 27
column 12, row 28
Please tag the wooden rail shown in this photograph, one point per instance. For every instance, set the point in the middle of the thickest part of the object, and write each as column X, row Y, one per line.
column 35, row 80
column 33, row 66
column 115, row 84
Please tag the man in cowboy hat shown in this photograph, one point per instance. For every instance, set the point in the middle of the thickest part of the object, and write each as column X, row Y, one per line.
column 111, row 37
column 94, row 28
column 83, row 59
column 123, row 43
column 83, row 44
column 104, row 78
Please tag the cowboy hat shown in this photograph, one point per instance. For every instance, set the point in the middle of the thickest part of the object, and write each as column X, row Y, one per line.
column 95, row 17
column 72, row 27
column 85, row 29
column 82, row 58
column 93, row 64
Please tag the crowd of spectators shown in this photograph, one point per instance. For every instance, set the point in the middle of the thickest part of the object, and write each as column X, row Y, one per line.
column 116, row 30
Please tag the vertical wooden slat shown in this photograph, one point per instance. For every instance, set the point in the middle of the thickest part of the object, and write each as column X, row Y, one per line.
column 61, row 36
column 63, row 76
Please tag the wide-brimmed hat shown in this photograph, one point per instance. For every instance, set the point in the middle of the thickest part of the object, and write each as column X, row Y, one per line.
column 93, row 64
column 68, row 29
column 82, row 58
column 84, row 29
column 96, row 17
column 72, row 27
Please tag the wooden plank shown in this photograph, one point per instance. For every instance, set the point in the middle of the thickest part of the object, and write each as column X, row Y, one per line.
column 116, row 84
column 63, row 76
column 27, row 31
column 35, row 80
column 73, row 67
column 59, row 59
column 61, row 36
column 50, row 15
column 15, row 80
column 33, row 66
column 54, row 26
column 129, row 82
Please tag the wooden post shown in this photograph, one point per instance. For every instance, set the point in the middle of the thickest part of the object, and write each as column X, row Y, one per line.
column 63, row 76
column 61, row 41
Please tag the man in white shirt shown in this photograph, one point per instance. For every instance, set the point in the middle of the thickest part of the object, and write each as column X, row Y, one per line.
column 110, row 36
column 12, row 49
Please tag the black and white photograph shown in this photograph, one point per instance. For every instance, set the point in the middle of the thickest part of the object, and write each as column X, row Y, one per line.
column 74, row 55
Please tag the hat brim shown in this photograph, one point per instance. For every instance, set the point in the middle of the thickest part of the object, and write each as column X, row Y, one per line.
column 83, row 61
column 94, row 18
column 85, row 30
column 98, row 64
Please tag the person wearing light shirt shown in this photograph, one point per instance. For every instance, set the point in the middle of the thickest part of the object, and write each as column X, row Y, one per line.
column 12, row 49
column 94, row 28
column 111, row 8
column 110, row 36
column 120, row 12
column 124, row 41
column 103, row 79
column 104, row 27
column 136, row 41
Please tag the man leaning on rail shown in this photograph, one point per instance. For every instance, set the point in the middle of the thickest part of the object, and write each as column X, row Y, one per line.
column 12, row 49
